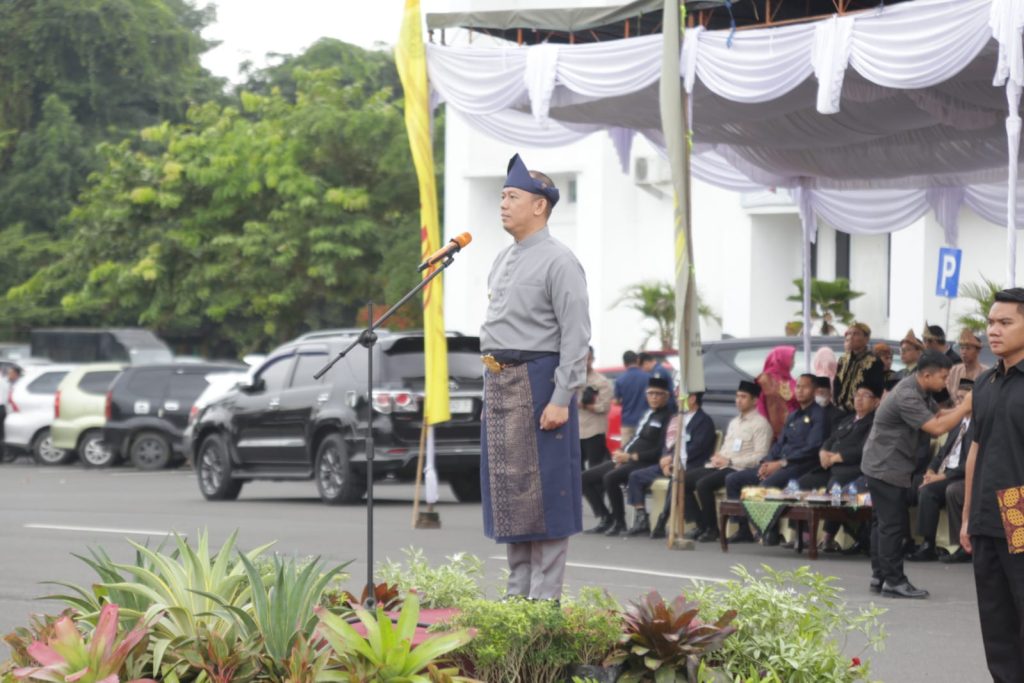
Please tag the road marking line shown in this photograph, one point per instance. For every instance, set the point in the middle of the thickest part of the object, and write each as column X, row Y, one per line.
column 98, row 529
column 634, row 570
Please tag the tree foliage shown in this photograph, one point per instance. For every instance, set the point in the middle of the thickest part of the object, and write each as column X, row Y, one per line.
column 830, row 301
column 657, row 301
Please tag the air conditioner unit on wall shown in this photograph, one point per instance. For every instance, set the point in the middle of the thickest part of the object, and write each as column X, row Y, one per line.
column 651, row 170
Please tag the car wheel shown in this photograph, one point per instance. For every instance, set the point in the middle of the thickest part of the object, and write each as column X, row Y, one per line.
column 213, row 468
column 335, row 480
column 150, row 451
column 45, row 453
column 466, row 486
column 93, row 450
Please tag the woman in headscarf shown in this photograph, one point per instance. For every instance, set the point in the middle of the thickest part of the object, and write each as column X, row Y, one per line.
column 825, row 363
column 778, row 388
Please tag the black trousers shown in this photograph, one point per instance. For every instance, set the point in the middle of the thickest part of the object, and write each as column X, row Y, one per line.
column 607, row 480
column 701, row 485
column 888, row 529
column 930, row 501
column 593, row 451
column 955, row 508
column 999, row 580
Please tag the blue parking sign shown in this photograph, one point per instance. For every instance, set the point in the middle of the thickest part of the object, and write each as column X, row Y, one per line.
column 947, row 283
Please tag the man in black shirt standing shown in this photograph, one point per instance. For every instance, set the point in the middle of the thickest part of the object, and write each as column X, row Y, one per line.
column 992, row 523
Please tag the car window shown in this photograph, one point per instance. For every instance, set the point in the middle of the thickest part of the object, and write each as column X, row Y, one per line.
column 309, row 364
column 97, row 382
column 147, row 383
column 276, row 372
column 46, row 383
column 751, row 361
column 186, row 387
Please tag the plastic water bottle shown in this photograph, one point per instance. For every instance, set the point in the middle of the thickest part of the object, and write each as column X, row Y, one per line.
column 792, row 488
column 837, row 494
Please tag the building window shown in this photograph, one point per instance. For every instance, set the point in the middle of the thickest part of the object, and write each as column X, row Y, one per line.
column 842, row 255
column 572, row 191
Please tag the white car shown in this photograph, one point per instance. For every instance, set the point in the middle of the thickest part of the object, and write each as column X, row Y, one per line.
column 30, row 413
column 218, row 385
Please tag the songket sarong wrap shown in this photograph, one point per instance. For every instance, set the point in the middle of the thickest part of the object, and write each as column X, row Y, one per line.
column 530, row 479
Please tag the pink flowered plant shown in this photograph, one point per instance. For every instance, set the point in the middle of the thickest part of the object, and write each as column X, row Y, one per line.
column 67, row 658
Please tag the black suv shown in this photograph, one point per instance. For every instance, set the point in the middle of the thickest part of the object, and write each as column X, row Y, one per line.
column 287, row 425
column 147, row 410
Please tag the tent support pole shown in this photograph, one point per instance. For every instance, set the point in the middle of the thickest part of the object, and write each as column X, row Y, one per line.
column 1013, row 126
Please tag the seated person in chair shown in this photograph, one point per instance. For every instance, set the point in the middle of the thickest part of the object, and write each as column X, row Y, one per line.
column 746, row 442
column 948, row 466
column 823, row 397
column 793, row 455
column 699, row 445
column 643, row 450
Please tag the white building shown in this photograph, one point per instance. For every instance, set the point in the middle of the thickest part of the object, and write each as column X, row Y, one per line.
column 747, row 248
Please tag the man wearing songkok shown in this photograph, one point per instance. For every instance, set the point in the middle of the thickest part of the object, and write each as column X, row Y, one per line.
column 534, row 339
column 971, row 368
column 857, row 366
column 644, row 450
column 793, row 455
column 935, row 340
column 993, row 516
column 746, row 441
column 945, row 468
column 911, row 349
column 906, row 418
column 883, row 352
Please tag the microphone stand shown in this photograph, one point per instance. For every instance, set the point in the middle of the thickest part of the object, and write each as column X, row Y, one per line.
column 367, row 339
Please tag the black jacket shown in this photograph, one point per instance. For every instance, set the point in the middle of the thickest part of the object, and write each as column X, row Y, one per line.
column 649, row 442
column 700, row 439
column 960, row 471
column 848, row 438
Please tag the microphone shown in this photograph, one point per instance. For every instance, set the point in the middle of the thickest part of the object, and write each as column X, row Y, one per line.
column 454, row 245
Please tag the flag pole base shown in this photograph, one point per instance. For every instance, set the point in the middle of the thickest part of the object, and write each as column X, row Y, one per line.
column 428, row 520
column 682, row 544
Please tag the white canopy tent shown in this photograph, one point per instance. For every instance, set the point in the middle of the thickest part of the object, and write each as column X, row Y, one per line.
column 870, row 119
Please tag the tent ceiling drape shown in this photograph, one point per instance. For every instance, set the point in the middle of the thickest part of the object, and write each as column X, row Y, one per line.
column 901, row 98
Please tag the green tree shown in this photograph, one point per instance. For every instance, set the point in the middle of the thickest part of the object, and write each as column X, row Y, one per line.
column 657, row 301
column 243, row 226
column 830, row 301
column 982, row 296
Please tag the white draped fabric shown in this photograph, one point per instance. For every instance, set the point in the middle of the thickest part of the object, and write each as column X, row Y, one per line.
column 872, row 119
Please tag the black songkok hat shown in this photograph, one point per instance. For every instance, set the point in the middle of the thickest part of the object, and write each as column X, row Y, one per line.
column 890, row 384
column 1015, row 295
column 966, row 383
column 657, row 383
column 822, row 382
column 751, row 388
column 519, row 176
column 875, row 389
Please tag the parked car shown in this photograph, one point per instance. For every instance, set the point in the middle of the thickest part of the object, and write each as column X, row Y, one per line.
column 79, row 412
column 218, row 385
column 129, row 345
column 283, row 424
column 30, row 414
column 147, row 409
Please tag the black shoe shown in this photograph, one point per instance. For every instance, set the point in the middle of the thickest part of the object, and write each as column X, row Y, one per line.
column 829, row 546
column 924, row 553
column 741, row 536
column 856, row 549
column 604, row 525
column 694, row 533
column 709, row 536
column 957, row 557
column 772, row 537
column 903, row 590
column 876, row 585
column 616, row 529
column 659, row 527
column 641, row 525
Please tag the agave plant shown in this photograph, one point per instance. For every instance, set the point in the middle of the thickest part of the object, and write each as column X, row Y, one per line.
column 664, row 642
column 386, row 595
column 386, row 653
column 66, row 656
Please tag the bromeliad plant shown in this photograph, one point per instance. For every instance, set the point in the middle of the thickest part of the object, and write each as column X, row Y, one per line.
column 65, row 656
column 665, row 642
column 386, row 653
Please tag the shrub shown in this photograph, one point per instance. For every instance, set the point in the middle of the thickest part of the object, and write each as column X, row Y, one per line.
column 792, row 627
column 438, row 587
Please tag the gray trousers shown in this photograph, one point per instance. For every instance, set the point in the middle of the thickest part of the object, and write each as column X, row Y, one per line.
column 537, row 568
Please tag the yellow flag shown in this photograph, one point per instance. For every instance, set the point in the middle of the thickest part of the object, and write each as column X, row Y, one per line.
column 411, row 59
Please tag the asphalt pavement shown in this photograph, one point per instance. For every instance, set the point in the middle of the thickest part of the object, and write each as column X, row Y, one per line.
column 46, row 514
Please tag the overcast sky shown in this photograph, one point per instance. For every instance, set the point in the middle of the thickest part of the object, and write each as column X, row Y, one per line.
column 249, row 29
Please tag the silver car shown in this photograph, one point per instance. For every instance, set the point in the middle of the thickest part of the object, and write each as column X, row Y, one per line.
column 30, row 413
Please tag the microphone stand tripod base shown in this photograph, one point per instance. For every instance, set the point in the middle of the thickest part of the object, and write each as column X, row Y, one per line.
column 680, row 543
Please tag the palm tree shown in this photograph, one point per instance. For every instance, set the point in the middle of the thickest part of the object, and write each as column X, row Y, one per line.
column 983, row 295
column 830, row 301
column 657, row 301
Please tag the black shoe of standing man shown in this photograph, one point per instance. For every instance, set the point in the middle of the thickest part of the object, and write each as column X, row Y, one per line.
column 903, row 590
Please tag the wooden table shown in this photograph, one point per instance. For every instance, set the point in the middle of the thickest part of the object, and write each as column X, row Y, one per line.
column 812, row 515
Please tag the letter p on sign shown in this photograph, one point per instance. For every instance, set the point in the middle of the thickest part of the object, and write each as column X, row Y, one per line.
column 948, row 282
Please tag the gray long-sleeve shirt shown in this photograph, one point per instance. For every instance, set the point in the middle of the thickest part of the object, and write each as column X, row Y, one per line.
column 538, row 302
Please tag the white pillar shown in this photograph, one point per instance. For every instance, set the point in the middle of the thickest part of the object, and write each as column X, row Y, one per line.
column 1013, row 125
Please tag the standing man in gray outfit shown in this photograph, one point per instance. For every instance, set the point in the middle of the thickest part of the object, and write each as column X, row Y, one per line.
column 534, row 340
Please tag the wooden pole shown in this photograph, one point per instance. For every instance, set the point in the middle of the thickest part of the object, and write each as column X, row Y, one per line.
column 419, row 474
